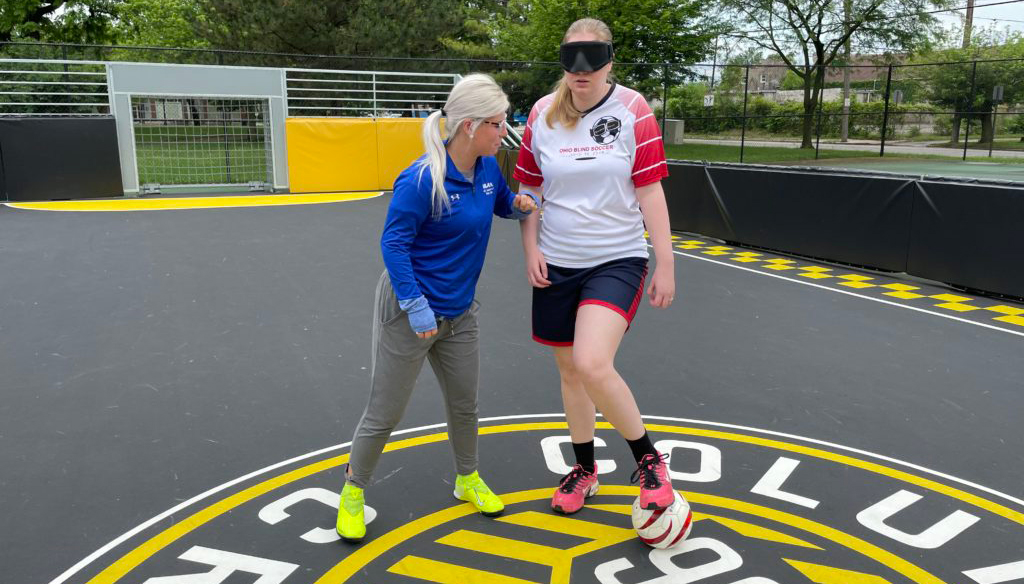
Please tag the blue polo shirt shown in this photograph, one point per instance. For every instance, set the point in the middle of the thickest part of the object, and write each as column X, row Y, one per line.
column 441, row 259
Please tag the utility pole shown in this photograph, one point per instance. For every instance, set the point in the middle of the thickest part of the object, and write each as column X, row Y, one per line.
column 714, row 64
column 845, row 122
column 958, row 114
column 967, row 24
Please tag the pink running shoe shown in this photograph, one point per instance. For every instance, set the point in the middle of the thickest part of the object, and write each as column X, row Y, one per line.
column 574, row 488
column 655, row 486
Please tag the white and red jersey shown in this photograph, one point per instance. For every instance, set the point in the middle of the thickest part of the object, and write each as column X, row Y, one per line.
column 589, row 175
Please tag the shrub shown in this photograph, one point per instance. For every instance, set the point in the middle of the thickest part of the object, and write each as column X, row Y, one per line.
column 1016, row 124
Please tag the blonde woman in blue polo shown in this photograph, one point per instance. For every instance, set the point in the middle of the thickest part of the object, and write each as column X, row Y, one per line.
column 433, row 244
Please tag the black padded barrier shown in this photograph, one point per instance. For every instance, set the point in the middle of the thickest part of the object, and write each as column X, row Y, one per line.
column 692, row 203
column 970, row 236
column 851, row 219
column 47, row 159
column 3, row 178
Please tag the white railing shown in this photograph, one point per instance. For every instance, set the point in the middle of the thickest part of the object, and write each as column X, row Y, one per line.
column 51, row 87
column 512, row 139
column 69, row 88
column 379, row 94
column 331, row 93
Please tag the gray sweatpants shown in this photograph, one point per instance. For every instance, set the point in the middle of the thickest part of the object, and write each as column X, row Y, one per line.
column 396, row 363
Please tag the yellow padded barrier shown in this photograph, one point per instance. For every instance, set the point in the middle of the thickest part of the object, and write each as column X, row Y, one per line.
column 332, row 155
column 399, row 143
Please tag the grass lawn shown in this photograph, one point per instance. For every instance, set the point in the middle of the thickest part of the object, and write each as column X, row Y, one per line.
column 201, row 163
column 254, row 132
column 181, row 154
column 774, row 154
column 1004, row 141
column 753, row 154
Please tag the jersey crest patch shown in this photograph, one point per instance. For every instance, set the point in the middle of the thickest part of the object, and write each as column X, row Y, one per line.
column 606, row 130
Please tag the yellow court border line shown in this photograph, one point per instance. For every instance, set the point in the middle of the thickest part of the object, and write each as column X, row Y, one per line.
column 855, row 278
column 891, row 301
column 177, row 203
column 134, row 558
column 358, row 560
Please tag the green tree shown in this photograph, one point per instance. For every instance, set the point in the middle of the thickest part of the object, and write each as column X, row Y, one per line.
column 816, row 31
column 67, row 21
column 687, row 100
column 160, row 23
column 949, row 85
column 791, row 81
column 644, row 31
column 734, row 72
column 474, row 38
column 394, row 28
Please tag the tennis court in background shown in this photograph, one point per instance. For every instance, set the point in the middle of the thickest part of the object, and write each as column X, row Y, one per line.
column 931, row 168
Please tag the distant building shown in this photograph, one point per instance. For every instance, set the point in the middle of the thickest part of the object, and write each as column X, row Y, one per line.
column 827, row 94
column 768, row 74
column 766, row 79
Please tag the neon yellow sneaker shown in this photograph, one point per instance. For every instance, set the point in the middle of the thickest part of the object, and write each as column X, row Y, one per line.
column 472, row 489
column 351, row 526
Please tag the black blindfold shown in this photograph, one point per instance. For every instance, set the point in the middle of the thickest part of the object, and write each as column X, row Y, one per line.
column 585, row 55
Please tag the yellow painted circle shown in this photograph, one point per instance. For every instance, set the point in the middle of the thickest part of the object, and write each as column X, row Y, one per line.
column 177, row 203
column 371, row 549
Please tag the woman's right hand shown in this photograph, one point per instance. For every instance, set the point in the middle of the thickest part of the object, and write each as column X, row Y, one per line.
column 421, row 317
column 536, row 268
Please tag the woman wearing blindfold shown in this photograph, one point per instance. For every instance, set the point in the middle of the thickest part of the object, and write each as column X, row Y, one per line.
column 434, row 240
column 593, row 149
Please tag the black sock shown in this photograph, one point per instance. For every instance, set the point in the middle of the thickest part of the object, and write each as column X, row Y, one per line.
column 584, row 455
column 641, row 446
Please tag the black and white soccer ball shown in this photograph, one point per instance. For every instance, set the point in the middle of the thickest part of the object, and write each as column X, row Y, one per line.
column 606, row 130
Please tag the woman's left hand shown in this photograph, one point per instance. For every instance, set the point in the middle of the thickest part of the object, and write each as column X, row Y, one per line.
column 662, row 290
column 524, row 203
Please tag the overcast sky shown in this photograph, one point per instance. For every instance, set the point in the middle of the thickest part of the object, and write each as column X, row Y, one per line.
column 1008, row 15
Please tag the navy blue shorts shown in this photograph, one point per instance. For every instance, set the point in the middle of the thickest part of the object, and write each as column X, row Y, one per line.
column 618, row 285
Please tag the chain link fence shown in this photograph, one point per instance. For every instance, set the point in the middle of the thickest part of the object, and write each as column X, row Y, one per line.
column 973, row 107
column 708, row 111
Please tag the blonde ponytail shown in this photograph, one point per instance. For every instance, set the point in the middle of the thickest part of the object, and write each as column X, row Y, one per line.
column 436, row 160
column 562, row 110
column 475, row 97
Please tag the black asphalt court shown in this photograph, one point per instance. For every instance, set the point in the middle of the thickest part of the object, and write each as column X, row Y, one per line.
column 180, row 387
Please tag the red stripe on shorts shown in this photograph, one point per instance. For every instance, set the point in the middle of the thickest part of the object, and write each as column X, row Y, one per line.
column 639, row 296
column 608, row 305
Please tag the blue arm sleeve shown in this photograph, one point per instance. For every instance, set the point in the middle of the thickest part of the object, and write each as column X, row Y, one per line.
column 409, row 208
column 421, row 317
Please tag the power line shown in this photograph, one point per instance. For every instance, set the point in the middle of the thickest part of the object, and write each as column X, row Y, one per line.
column 997, row 19
column 914, row 14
